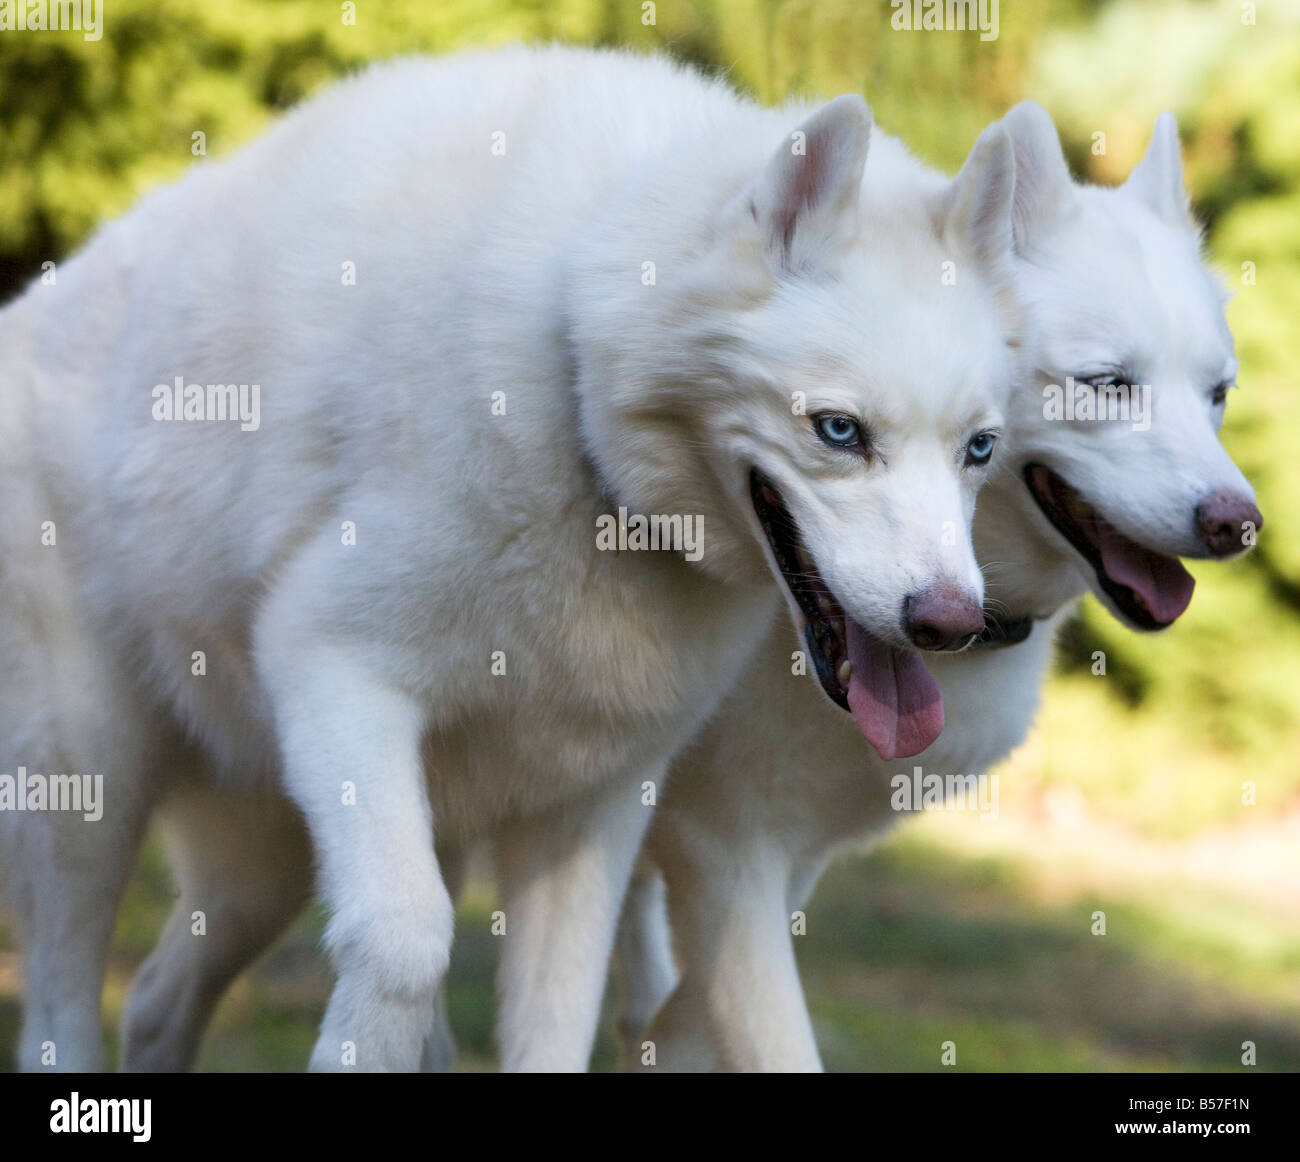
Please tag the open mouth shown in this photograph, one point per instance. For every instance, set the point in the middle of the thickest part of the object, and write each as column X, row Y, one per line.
column 892, row 697
column 1149, row 589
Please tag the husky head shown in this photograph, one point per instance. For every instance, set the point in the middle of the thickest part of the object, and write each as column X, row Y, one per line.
column 1117, row 444
column 826, row 387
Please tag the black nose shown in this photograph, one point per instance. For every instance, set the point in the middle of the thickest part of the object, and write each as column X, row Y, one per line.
column 942, row 617
column 1222, row 520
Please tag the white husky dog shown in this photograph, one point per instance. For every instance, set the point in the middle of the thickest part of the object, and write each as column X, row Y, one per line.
column 476, row 309
column 1116, row 298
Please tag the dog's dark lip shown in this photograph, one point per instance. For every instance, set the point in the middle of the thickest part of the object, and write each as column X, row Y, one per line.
column 1053, row 501
column 1001, row 631
column 823, row 615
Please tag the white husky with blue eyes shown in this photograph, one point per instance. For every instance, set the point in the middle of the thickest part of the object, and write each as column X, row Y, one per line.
column 487, row 301
column 1117, row 298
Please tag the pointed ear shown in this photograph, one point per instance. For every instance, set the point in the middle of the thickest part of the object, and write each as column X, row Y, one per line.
column 1158, row 179
column 806, row 199
column 1043, row 185
column 975, row 208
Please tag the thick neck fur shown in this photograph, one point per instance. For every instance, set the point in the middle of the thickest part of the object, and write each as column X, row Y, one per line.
column 655, row 347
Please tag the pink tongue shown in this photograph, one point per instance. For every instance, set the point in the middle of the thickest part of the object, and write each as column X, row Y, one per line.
column 1162, row 582
column 892, row 696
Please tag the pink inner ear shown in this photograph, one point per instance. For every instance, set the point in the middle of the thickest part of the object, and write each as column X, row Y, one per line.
column 802, row 189
column 819, row 184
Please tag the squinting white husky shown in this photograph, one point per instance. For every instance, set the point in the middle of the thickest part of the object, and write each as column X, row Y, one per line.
column 485, row 303
column 1116, row 297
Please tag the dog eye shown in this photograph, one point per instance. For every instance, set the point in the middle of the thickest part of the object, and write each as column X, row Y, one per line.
column 839, row 431
column 980, row 448
column 1219, row 396
column 1101, row 382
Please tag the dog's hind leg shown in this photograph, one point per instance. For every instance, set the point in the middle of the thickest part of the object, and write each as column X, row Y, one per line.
column 644, row 957
column 66, row 875
column 68, row 712
column 243, row 864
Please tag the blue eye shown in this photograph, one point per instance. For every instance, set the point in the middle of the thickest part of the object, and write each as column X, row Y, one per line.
column 980, row 448
column 839, row 431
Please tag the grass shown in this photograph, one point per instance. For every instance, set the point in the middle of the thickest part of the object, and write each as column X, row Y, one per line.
column 916, row 946
column 954, row 930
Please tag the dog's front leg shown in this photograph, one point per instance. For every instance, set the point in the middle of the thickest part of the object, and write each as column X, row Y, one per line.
column 439, row 1055
column 563, row 875
column 644, row 960
column 739, row 1004
column 351, row 746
